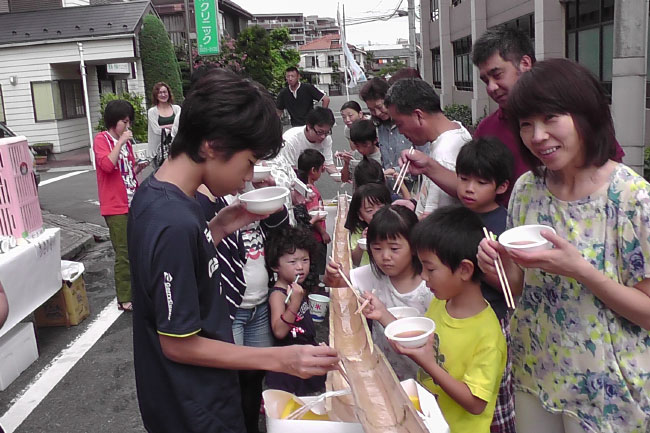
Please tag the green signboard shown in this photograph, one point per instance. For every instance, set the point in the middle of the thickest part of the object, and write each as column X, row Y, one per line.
column 207, row 28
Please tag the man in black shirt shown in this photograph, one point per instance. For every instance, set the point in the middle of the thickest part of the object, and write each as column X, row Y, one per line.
column 298, row 98
column 185, row 360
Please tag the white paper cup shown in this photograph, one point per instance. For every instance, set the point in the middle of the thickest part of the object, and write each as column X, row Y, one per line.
column 422, row 325
column 336, row 176
column 318, row 307
column 363, row 243
column 526, row 238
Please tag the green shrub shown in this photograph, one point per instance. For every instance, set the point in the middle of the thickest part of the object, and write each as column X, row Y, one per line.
column 158, row 59
column 460, row 112
column 139, row 126
column 646, row 164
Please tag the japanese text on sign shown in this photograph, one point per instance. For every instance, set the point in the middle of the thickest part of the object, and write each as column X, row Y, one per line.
column 207, row 30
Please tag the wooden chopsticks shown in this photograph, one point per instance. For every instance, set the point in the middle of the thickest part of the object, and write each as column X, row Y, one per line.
column 501, row 273
column 402, row 173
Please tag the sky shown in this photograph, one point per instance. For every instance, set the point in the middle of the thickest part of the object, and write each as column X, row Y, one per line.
column 381, row 32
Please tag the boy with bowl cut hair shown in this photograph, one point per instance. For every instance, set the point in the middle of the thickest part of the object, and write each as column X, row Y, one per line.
column 463, row 361
column 484, row 167
column 363, row 136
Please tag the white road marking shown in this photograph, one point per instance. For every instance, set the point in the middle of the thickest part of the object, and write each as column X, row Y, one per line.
column 56, row 370
column 65, row 169
column 91, row 201
column 63, row 176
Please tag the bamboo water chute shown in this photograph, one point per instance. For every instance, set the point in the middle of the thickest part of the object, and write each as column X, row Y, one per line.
column 378, row 401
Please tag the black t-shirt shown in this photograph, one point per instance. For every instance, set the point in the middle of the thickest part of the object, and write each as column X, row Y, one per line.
column 495, row 221
column 176, row 292
column 299, row 106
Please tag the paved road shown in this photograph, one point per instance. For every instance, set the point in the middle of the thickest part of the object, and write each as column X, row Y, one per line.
column 98, row 393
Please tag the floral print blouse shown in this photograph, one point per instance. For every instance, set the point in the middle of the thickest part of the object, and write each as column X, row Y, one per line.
column 568, row 349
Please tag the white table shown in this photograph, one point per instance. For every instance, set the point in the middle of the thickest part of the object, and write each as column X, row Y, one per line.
column 30, row 275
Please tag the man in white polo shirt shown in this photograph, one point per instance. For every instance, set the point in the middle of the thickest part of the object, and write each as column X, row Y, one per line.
column 316, row 134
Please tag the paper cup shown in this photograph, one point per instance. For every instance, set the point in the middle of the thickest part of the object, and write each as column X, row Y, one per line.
column 410, row 331
column 526, row 237
column 318, row 307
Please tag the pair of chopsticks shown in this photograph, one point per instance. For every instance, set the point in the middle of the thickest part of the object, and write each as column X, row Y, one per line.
column 361, row 300
column 501, row 273
column 402, row 173
column 339, row 366
column 286, row 301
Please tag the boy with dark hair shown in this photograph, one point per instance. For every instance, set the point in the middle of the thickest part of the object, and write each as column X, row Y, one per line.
column 316, row 134
column 363, row 135
column 484, row 167
column 298, row 98
column 463, row 361
column 185, row 360
column 415, row 107
column 368, row 171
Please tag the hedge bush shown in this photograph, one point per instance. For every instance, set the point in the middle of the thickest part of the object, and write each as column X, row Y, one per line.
column 139, row 126
column 158, row 59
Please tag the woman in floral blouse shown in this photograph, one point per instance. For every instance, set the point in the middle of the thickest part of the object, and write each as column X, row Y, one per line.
column 580, row 340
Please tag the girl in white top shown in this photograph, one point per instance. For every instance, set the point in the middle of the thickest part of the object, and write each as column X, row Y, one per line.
column 393, row 274
column 161, row 116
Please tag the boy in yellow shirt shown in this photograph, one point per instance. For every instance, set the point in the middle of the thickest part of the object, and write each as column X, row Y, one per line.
column 463, row 361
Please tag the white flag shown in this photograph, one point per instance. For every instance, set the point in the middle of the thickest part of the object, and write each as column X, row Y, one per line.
column 354, row 70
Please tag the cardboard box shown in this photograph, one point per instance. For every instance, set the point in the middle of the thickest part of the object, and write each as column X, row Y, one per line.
column 69, row 306
column 17, row 352
column 275, row 401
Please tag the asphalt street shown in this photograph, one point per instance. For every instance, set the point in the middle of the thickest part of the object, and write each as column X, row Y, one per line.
column 98, row 393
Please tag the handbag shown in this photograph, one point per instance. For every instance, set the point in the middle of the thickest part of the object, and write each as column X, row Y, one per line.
column 165, row 145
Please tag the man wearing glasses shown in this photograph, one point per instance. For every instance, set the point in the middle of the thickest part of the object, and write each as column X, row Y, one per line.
column 316, row 134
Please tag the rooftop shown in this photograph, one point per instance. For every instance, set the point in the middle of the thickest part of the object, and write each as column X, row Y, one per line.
column 72, row 22
column 327, row 42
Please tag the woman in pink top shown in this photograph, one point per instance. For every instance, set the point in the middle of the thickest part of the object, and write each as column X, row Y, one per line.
column 116, row 184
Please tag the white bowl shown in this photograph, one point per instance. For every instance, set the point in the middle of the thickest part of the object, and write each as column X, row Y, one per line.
column 264, row 201
column 336, row 176
column 422, row 325
column 402, row 312
column 363, row 243
column 526, row 237
column 320, row 213
column 261, row 172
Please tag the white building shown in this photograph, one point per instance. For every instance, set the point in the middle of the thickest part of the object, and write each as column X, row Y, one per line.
column 612, row 45
column 41, row 93
column 322, row 60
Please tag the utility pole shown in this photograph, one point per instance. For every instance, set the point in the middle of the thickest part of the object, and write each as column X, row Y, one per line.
column 413, row 54
column 188, row 40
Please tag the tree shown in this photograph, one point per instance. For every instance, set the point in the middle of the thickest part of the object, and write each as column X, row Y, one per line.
column 393, row 67
column 158, row 58
column 255, row 42
column 282, row 57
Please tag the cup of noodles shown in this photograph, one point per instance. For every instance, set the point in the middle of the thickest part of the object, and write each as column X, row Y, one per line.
column 410, row 331
column 526, row 238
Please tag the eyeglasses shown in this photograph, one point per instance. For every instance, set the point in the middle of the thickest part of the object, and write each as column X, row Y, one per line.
column 322, row 133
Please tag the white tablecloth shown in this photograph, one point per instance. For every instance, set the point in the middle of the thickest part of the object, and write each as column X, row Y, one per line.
column 30, row 275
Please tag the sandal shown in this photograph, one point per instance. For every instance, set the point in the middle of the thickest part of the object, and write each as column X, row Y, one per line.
column 125, row 306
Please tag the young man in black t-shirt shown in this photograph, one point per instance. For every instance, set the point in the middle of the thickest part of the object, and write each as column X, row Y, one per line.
column 298, row 98
column 185, row 362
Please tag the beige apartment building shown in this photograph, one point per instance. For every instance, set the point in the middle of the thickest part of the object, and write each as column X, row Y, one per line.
column 610, row 37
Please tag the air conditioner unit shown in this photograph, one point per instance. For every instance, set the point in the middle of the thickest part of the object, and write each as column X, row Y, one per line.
column 20, row 210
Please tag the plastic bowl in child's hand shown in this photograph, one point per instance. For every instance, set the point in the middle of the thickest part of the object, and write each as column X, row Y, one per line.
column 410, row 331
column 336, row 176
column 526, row 238
column 320, row 213
column 261, row 172
column 402, row 312
column 363, row 244
column 264, row 201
